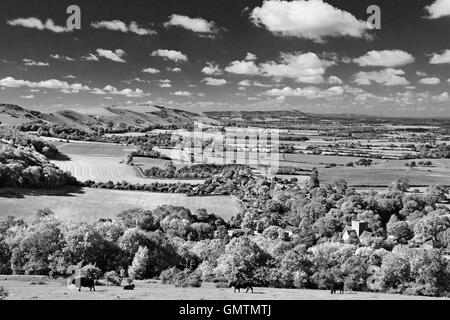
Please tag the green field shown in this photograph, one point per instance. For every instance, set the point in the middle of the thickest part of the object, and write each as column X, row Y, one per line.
column 92, row 204
column 445, row 163
column 93, row 149
column 319, row 159
column 383, row 176
column 436, row 163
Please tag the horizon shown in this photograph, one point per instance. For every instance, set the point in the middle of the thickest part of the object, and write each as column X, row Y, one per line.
column 86, row 111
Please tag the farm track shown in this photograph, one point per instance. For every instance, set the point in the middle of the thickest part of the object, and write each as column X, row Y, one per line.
column 139, row 171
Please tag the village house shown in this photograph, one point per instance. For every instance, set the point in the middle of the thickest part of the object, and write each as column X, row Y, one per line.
column 432, row 244
column 356, row 229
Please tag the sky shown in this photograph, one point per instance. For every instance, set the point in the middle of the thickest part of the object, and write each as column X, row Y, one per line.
column 319, row 56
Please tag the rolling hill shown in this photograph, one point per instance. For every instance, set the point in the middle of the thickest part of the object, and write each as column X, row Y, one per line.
column 14, row 115
column 137, row 117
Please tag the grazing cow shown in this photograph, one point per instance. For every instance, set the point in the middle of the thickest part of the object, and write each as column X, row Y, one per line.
column 339, row 285
column 128, row 287
column 238, row 284
column 84, row 282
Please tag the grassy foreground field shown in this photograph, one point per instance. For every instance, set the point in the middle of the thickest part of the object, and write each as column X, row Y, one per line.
column 20, row 287
column 92, row 204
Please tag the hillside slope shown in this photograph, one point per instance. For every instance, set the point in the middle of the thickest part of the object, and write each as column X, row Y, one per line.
column 14, row 115
column 112, row 118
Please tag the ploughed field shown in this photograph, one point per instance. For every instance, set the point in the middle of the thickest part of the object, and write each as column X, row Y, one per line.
column 106, row 168
column 92, row 204
column 103, row 162
column 20, row 287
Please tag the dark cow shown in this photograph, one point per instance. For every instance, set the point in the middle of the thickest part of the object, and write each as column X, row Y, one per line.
column 238, row 284
column 84, row 282
column 128, row 287
column 338, row 285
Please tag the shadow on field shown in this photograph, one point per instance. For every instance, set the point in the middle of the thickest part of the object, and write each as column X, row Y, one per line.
column 61, row 157
column 18, row 193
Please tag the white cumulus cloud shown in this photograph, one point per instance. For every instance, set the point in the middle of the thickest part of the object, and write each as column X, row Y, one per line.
column 250, row 56
column 170, row 54
column 182, row 93
column 30, row 62
column 430, row 81
column 212, row 69
column 385, row 58
column 61, row 57
column 165, row 83
column 443, row 97
column 66, row 87
column 334, row 80
column 303, row 67
column 307, row 92
column 437, row 58
column 387, row 77
column 438, row 9
column 214, row 82
column 118, row 25
column 243, row 67
column 90, row 57
column 130, row 93
column 199, row 25
column 249, row 83
column 11, row 82
column 115, row 56
column 35, row 23
column 313, row 19
column 150, row 70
